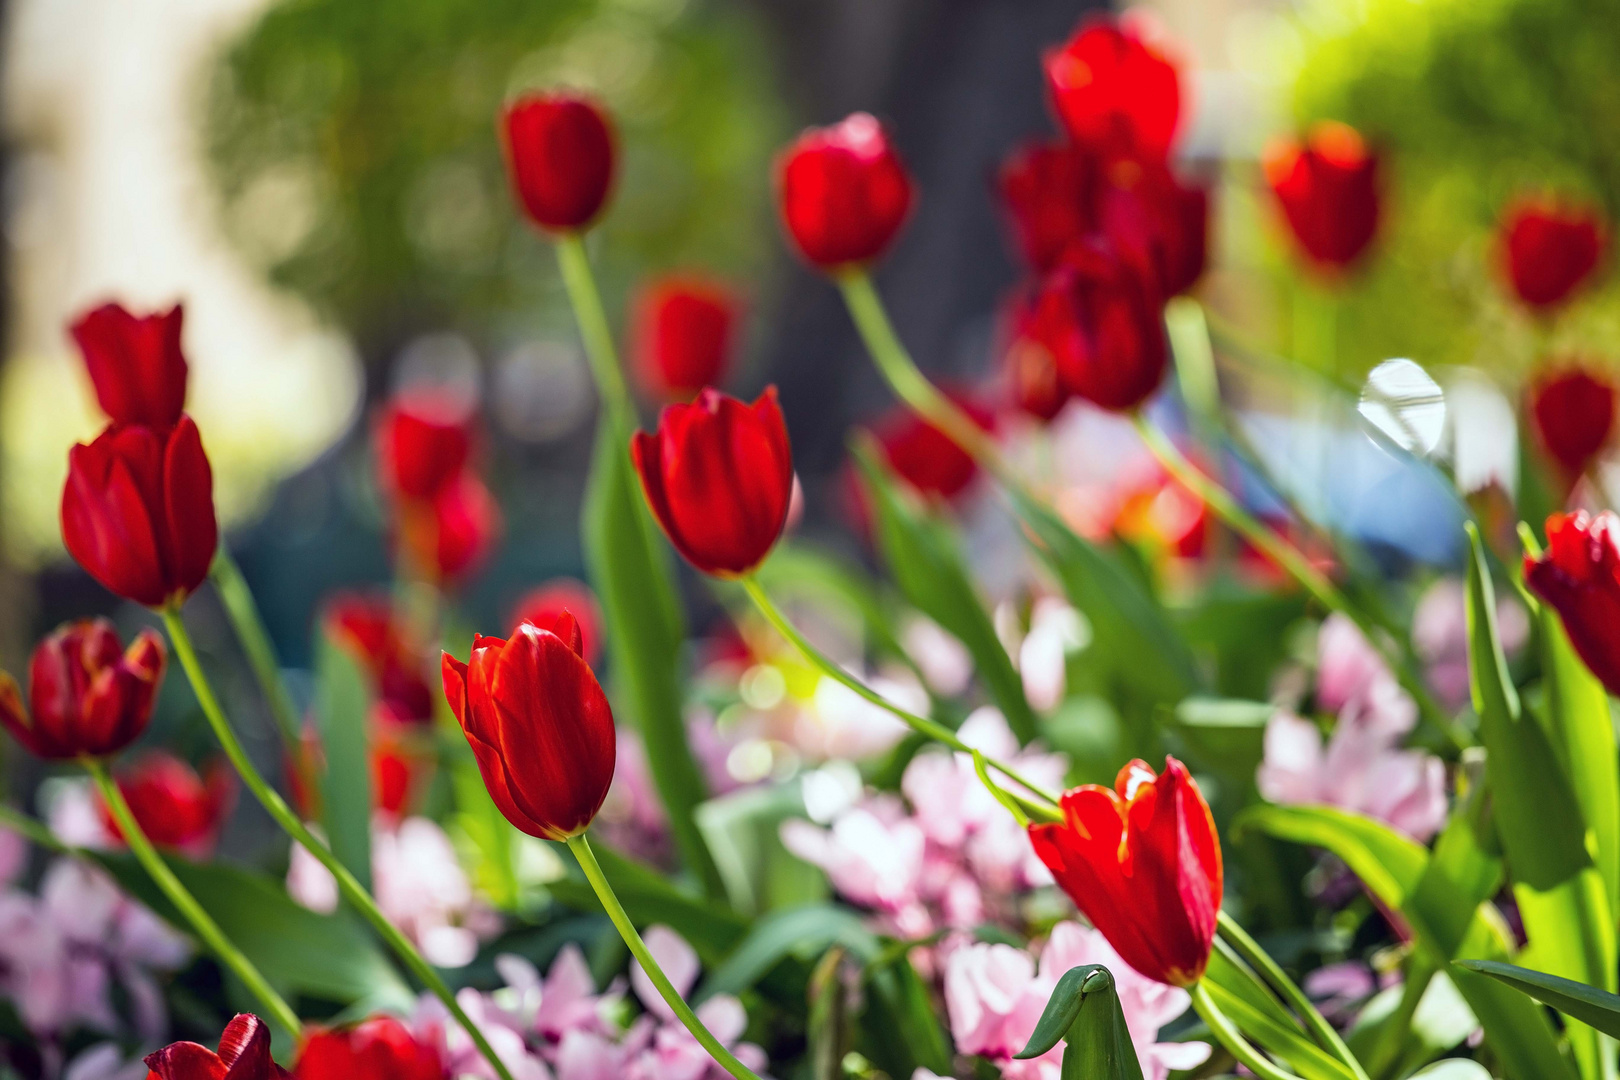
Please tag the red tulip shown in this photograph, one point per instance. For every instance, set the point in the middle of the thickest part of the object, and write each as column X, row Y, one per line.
column 560, row 153
column 398, row 768
column 1573, row 413
column 1550, row 248
column 424, row 442
column 174, row 806
column 1579, row 575
column 1100, row 317
column 1031, row 367
column 718, row 475
column 1328, row 191
column 1142, row 861
column 377, row 638
column 539, row 725
column 1153, row 218
column 1114, row 90
column 1049, row 193
column 684, row 335
column 244, row 1054
column 138, row 511
column 924, row 456
column 447, row 540
column 545, row 605
column 89, row 696
column 135, row 363
column 381, row 1048
column 843, row 192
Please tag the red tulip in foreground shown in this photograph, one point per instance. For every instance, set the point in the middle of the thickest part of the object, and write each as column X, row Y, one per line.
column 1114, row 90
column 1579, row 575
column 88, row 695
column 718, row 475
column 1550, row 249
column 546, row 605
column 684, row 330
column 175, row 807
column 135, row 363
column 244, row 1054
column 1328, row 191
column 539, row 725
column 1142, row 861
column 1098, row 315
column 138, row 511
column 843, row 192
column 1573, row 413
column 560, row 152
column 423, row 443
column 381, row 1048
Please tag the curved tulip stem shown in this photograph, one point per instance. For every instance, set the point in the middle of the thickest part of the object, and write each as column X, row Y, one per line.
column 1261, row 961
column 932, row 729
column 1227, row 1034
column 243, row 611
column 638, row 948
column 909, row 384
column 351, row 889
column 186, row 904
column 594, row 331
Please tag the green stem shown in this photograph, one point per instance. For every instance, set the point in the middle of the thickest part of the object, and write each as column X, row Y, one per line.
column 909, row 384
column 33, row 831
column 1226, row 1032
column 290, row 823
column 638, row 948
column 932, row 729
column 1261, row 961
column 246, row 620
column 207, row 929
column 594, row 331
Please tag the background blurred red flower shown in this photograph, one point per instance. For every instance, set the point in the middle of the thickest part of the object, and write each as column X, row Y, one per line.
column 1579, row 575
column 1113, row 89
column 1572, row 410
column 1100, row 316
column 424, row 441
column 1328, row 190
column 684, row 331
column 843, row 192
column 174, row 806
column 1550, row 248
column 135, row 363
column 545, row 604
column 924, row 456
column 561, row 157
column 380, row 1048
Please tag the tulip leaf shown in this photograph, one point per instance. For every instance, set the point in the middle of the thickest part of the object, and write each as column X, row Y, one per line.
column 1143, row 650
column 921, row 550
column 1260, row 1016
column 343, row 698
column 802, row 932
column 743, row 831
column 630, row 569
column 1597, row 1008
column 1084, row 1012
column 900, row 1030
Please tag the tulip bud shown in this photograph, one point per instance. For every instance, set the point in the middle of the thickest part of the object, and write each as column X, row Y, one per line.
column 138, row 511
column 1328, row 191
column 88, row 695
column 1573, row 414
column 560, row 153
column 1550, row 249
column 381, row 1048
column 423, row 443
column 379, row 641
column 718, row 475
column 1579, row 575
column 924, row 456
column 545, row 605
column 174, row 806
column 467, row 524
column 244, row 1054
column 1048, row 191
column 1100, row 317
column 684, row 328
column 1114, row 90
column 539, row 726
column 135, row 364
column 843, row 192
column 1142, row 862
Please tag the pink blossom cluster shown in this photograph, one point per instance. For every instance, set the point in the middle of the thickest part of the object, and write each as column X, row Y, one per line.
column 63, row 951
column 995, row 994
column 946, row 857
column 1361, row 766
column 560, row 1028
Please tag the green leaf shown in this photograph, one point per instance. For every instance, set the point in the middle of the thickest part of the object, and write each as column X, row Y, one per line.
column 331, row 957
column 1084, row 1011
column 920, row 548
column 1386, row 862
column 1597, row 1008
column 743, row 832
column 1261, row 1017
column 1063, row 1007
column 343, row 696
column 1453, row 1069
column 900, row 1030
column 802, row 932
column 1130, row 628
column 645, row 630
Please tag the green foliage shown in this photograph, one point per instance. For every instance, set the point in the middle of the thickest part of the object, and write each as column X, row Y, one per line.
column 342, row 716
column 355, row 150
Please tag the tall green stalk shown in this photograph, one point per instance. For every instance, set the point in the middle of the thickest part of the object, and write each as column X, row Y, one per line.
column 1228, row 1035
column 207, row 929
column 246, row 620
column 295, row 828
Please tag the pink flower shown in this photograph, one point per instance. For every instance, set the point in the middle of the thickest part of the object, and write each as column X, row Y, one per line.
column 995, row 994
column 432, row 1025
column 874, row 855
column 668, row 1051
column 1347, row 665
